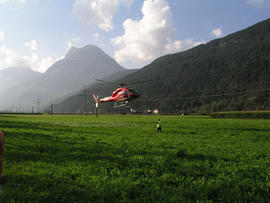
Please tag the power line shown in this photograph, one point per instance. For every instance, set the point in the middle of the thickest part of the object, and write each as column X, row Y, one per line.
column 208, row 96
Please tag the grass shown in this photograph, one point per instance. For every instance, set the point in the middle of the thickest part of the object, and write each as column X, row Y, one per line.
column 122, row 159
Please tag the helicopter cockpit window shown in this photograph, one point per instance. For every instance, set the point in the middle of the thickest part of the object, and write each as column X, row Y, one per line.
column 123, row 93
column 131, row 91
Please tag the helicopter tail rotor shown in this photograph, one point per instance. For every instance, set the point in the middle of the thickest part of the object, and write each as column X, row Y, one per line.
column 97, row 102
column 96, row 98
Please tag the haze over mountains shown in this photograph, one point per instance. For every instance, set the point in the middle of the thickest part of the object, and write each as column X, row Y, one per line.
column 79, row 68
column 16, row 75
column 231, row 73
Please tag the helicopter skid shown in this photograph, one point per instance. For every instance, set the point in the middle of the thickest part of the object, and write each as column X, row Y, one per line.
column 122, row 104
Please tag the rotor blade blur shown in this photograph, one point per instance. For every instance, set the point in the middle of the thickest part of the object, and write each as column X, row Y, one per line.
column 126, row 83
column 105, row 81
column 139, row 82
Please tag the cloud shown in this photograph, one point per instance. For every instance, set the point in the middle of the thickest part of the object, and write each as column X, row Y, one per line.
column 2, row 36
column 32, row 45
column 259, row 3
column 9, row 58
column 3, row 1
column 37, row 63
column 149, row 37
column 96, row 35
column 217, row 32
column 45, row 63
column 9, row 1
column 98, row 12
column 69, row 44
column 72, row 41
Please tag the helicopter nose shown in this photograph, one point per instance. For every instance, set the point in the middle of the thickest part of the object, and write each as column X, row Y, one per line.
column 135, row 95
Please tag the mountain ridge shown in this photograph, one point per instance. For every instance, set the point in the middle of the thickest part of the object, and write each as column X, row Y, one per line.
column 13, row 76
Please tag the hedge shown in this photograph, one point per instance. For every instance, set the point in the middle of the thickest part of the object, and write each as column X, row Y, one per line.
column 243, row 114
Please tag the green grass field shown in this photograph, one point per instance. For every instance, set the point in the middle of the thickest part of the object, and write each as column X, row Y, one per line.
column 122, row 159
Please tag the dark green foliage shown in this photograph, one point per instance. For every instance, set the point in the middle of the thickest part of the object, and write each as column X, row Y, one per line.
column 227, row 74
column 181, row 153
column 123, row 159
column 244, row 115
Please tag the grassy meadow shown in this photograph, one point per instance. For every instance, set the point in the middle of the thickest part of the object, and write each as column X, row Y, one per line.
column 72, row 158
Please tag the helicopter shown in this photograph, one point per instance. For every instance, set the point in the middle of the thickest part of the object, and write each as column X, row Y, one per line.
column 121, row 94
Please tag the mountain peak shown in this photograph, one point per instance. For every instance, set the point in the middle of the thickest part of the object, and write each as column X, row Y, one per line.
column 71, row 51
column 86, row 50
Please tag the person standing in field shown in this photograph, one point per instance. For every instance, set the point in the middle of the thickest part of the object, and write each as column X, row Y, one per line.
column 159, row 126
column 3, row 179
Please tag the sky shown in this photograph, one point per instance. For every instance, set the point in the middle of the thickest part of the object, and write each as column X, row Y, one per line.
column 37, row 33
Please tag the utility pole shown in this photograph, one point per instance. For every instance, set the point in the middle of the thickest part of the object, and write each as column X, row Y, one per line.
column 84, row 95
column 38, row 102
column 51, row 108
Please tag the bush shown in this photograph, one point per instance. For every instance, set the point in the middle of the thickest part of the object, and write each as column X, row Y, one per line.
column 243, row 115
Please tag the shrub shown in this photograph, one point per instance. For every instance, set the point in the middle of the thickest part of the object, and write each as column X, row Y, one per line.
column 243, row 115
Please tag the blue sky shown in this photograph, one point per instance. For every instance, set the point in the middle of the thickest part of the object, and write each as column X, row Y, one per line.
column 36, row 33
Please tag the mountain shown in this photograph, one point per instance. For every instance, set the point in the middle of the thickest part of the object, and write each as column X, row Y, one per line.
column 16, row 75
column 77, row 69
column 230, row 73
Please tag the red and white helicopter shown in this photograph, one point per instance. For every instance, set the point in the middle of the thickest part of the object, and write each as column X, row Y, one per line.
column 121, row 94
